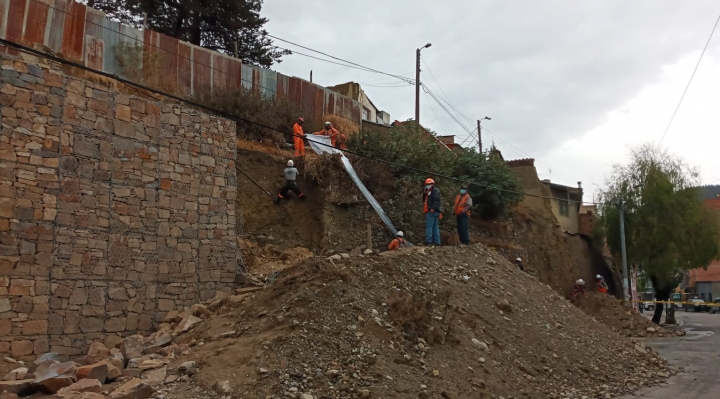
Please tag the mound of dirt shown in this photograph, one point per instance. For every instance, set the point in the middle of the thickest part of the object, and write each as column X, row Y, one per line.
column 608, row 310
column 427, row 323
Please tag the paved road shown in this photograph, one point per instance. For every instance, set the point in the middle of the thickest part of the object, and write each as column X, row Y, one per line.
column 698, row 353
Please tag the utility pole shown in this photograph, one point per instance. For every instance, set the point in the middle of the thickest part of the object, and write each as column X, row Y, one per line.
column 417, row 83
column 480, row 133
column 626, row 292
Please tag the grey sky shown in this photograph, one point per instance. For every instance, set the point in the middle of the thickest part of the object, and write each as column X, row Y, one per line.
column 551, row 74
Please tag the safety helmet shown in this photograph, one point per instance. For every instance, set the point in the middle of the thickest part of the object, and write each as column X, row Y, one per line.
column 400, row 234
column 599, row 277
column 429, row 181
column 327, row 123
column 300, row 119
column 518, row 260
column 580, row 282
column 291, row 163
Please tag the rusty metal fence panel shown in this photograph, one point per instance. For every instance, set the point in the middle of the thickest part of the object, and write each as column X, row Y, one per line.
column 85, row 35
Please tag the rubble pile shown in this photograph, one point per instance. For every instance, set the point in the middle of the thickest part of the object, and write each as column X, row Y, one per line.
column 426, row 323
column 609, row 311
column 137, row 369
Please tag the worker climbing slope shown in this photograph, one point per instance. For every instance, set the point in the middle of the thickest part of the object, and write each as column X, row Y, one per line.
column 398, row 242
column 578, row 289
column 433, row 212
column 299, row 137
column 602, row 286
column 330, row 132
column 290, row 183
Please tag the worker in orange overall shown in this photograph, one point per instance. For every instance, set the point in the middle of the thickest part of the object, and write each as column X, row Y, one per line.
column 602, row 286
column 463, row 203
column 330, row 132
column 298, row 137
column 398, row 242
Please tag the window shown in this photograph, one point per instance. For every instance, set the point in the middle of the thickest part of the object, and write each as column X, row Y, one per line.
column 564, row 208
column 366, row 114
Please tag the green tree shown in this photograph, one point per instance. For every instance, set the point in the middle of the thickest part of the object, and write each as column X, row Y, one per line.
column 667, row 229
column 497, row 189
column 215, row 25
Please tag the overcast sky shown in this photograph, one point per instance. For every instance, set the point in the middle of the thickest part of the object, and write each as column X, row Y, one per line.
column 573, row 84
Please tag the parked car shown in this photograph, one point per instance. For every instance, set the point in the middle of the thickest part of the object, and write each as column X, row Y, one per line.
column 715, row 307
column 699, row 305
column 649, row 306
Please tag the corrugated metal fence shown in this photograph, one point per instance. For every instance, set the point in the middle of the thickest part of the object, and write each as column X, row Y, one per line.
column 78, row 33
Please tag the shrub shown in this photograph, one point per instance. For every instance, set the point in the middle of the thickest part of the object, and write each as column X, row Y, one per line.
column 495, row 190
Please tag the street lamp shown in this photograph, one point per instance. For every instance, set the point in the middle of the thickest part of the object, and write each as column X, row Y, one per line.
column 480, row 132
column 417, row 83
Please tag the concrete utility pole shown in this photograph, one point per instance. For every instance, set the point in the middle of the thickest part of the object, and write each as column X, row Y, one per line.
column 417, row 83
column 626, row 292
column 480, row 133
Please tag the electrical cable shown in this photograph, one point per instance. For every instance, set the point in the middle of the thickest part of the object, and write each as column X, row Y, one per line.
column 412, row 81
column 289, row 134
column 690, row 81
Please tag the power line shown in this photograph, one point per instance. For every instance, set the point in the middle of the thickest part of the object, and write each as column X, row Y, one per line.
column 690, row 81
column 237, row 118
column 404, row 79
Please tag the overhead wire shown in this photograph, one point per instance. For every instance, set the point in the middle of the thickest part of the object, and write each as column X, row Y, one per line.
column 690, row 81
column 286, row 133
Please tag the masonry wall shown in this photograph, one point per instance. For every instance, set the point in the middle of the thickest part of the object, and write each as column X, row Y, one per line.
column 114, row 209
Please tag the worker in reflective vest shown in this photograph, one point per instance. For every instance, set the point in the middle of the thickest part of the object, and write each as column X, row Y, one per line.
column 433, row 213
column 298, row 137
column 463, row 203
column 602, row 286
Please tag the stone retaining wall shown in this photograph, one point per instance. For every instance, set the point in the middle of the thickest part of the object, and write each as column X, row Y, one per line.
column 114, row 209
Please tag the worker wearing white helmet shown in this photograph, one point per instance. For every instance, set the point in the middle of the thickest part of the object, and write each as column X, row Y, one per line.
column 601, row 285
column 330, row 132
column 519, row 264
column 290, row 183
column 398, row 242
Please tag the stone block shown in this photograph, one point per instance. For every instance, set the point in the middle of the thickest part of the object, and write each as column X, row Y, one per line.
column 35, row 327
column 19, row 348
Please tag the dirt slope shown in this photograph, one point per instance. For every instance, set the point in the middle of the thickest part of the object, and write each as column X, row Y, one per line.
column 449, row 323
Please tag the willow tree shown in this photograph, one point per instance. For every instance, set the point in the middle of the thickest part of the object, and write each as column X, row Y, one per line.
column 668, row 231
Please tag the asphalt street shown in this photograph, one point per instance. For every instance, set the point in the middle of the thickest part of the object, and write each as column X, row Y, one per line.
column 698, row 353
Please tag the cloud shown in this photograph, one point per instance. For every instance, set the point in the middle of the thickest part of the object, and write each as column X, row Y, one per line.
column 548, row 73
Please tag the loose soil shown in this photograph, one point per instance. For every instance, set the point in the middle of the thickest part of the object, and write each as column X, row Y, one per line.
column 609, row 311
column 420, row 323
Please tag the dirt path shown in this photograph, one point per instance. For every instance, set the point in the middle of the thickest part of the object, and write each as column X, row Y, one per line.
column 698, row 353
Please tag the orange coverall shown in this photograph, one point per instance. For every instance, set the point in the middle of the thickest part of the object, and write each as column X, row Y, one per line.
column 332, row 133
column 298, row 136
column 397, row 244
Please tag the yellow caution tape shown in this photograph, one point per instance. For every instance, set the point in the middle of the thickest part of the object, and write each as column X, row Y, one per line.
column 675, row 302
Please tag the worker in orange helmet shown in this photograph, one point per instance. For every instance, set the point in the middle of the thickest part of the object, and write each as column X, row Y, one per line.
column 298, row 137
column 330, row 132
column 601, row 285
column 398, row 242
column 463, row 203
column 433, row 212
